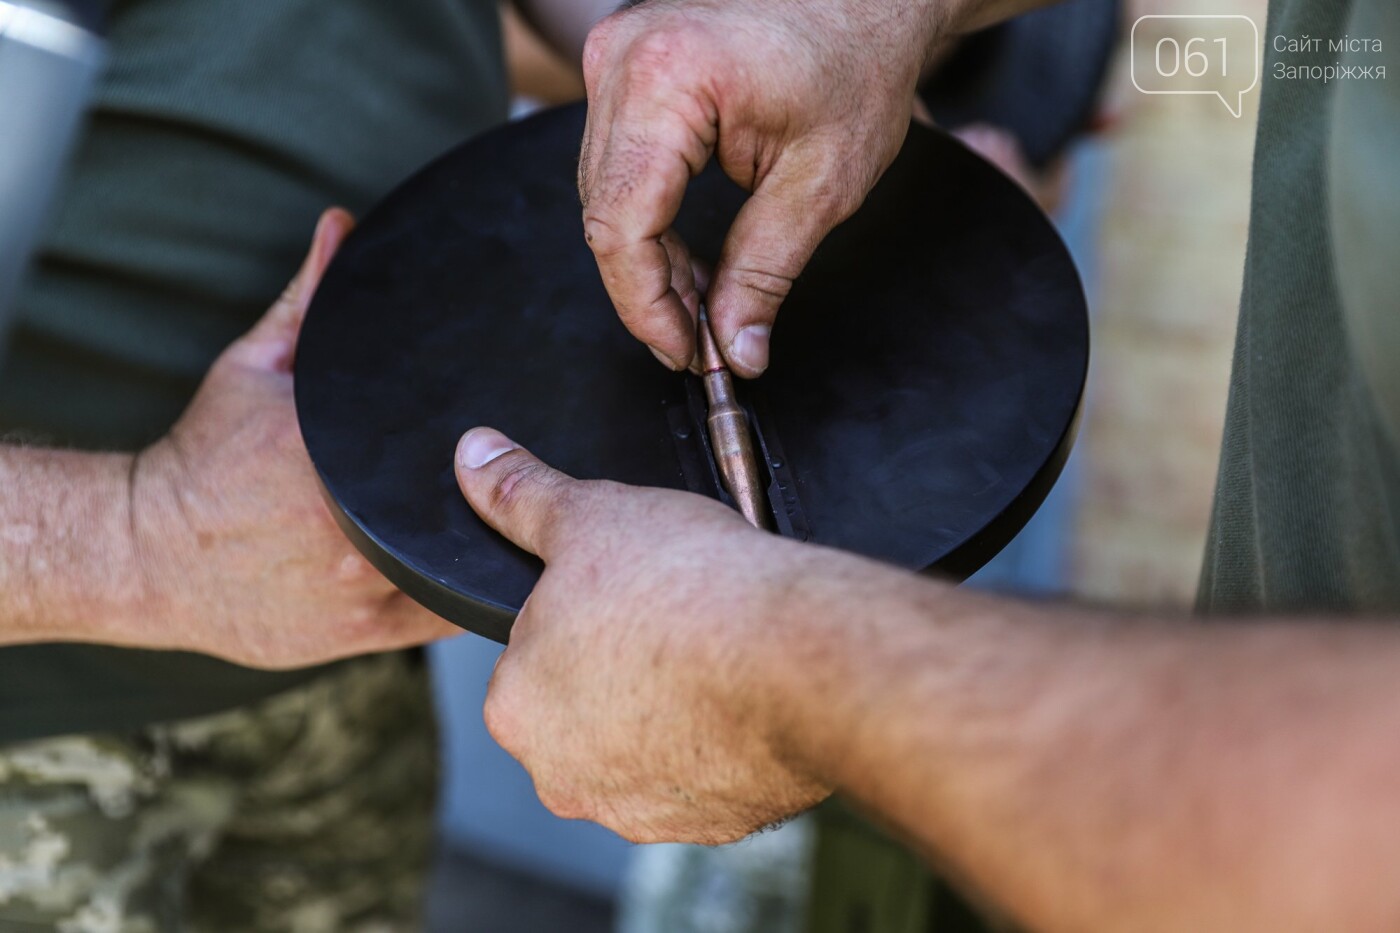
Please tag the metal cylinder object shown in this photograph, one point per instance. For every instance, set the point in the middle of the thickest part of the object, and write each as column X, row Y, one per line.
column 49, row 58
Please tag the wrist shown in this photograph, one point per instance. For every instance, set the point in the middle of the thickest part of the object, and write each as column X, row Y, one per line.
column 153, row 524
column 107, row 588
column 66, row 564
column 801, row 656
column 848, row 630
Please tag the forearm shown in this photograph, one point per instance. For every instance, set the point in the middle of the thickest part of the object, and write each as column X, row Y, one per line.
column 1091, row 772
column 68, row 567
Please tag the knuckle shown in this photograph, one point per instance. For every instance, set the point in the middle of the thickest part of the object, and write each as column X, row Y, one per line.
column 597, row 47
column 602, row 234
column 287, row 303
column 361, row 625
column 291, row 295
column 656, row 54
column 647, row 311
column 500, row 719
column 826, row 179
column 763, row 279
column 513, row 486
column 834, row 204
column 563, row 521
column 563, row 803
column 352, row 569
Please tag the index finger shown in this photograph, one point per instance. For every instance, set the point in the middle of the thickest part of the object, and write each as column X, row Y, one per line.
column 632, row 184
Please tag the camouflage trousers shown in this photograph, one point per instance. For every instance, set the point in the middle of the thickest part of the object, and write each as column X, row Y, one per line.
column 309, row 812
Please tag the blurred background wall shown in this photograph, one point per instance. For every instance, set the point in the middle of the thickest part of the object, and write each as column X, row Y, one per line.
column 1170, row 263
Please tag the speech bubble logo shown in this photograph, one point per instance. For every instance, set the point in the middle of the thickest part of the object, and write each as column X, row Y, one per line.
column 1179, row 53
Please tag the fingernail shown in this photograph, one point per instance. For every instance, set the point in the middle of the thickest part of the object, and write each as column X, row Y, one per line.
column 665, row 360
column 750, row 348
column 480, row 446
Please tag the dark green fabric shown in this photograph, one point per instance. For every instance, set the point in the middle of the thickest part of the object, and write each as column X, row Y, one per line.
column 862, row 881
column 1307, row 511
column 865, row 882
column 220, row 131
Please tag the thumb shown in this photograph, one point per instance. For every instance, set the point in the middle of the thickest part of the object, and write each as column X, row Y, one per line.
column 271, row 343
column 513, row 492
column 771, row 240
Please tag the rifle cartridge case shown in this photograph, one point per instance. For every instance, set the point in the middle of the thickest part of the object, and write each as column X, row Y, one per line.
column 730, row 435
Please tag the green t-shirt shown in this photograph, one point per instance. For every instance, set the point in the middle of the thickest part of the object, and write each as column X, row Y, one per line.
column 1307, row 508
column 219, row 132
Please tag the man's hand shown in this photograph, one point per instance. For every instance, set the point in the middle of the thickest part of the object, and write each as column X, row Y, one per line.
column 238, row 555
column 805, row 105
column 627, row 667
column 678, row 675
